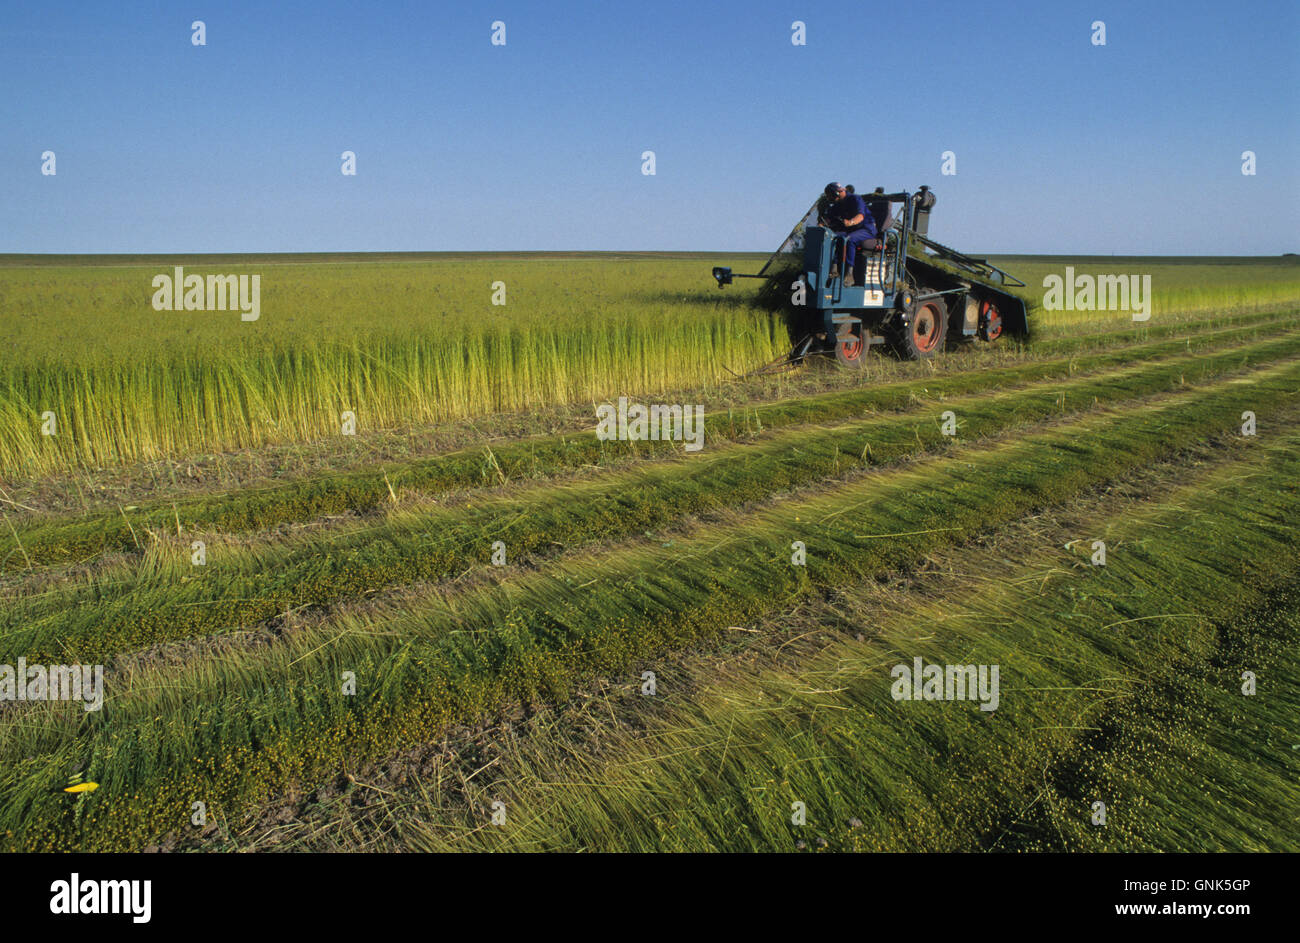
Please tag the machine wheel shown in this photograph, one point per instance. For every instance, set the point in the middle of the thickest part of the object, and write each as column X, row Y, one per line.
column 990, row 321
column 926, row 329
column 850, row 350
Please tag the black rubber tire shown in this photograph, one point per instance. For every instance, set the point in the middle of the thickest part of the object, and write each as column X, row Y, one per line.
column 927, row 328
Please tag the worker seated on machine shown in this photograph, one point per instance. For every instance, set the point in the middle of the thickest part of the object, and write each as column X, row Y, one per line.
column 830, row 196
column 847, row 214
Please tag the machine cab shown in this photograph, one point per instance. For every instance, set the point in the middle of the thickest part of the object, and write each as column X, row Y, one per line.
column 875, row 278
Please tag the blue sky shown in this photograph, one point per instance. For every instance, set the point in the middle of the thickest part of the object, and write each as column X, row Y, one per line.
column 1061, row 146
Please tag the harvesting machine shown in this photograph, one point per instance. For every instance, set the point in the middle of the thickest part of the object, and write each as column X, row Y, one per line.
column 908, row 291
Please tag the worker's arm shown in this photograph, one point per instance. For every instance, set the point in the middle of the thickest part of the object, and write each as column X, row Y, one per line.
column 861, row 207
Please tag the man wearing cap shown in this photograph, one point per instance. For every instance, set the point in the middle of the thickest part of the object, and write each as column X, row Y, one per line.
column 847, row 213
column 824, row 203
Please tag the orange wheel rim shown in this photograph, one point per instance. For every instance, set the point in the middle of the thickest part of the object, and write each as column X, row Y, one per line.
column 992, row 321
column 925, row 328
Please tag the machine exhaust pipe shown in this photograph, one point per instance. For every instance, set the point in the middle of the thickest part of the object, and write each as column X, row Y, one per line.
column 922, row 203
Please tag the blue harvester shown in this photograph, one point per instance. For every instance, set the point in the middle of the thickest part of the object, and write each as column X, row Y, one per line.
column 908, row 291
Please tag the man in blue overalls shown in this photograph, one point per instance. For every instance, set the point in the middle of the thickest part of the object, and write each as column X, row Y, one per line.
column 848, row 214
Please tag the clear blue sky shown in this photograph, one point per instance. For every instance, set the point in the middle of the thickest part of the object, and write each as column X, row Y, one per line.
column 1061, row 146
